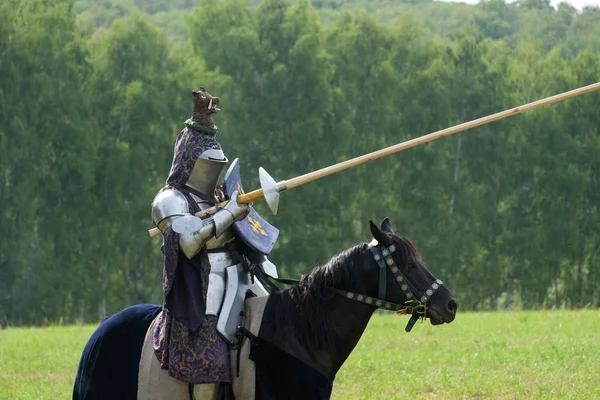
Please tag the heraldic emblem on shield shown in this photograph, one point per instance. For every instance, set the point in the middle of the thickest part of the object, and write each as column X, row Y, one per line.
column 253, row 230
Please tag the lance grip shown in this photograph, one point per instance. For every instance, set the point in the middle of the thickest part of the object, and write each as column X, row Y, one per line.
column 248, row 198
column 200, row 214
column 245, row 198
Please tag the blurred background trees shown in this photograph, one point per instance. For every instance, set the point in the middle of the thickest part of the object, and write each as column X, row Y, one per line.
column 93, row 94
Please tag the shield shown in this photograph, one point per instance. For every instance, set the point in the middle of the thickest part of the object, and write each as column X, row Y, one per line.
column 257, row 233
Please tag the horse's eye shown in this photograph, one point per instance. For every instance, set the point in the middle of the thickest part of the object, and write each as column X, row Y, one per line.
column 412, row 265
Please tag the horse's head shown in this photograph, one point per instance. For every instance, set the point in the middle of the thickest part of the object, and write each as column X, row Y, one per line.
column 321, row 319
column 411, row 280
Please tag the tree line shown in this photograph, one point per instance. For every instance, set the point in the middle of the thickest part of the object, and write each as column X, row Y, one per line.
column 507, row 214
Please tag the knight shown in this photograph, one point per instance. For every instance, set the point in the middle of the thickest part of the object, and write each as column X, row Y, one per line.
column 208, row 269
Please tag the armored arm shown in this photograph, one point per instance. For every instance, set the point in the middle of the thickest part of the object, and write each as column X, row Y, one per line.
column 170, row 208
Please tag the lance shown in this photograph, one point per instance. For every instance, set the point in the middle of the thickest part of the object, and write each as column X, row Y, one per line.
column 270, row 189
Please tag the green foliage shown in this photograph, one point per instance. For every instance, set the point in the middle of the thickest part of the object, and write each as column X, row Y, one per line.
column 92, row 95
column 47, row 162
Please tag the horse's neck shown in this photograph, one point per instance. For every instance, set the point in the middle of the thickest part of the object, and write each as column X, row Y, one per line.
column 347, row 320
column 350, row 318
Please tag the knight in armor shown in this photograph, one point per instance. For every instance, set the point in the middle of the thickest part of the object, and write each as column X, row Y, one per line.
column 203, row 259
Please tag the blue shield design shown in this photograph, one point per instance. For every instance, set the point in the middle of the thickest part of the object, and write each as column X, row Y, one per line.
column 253, row 230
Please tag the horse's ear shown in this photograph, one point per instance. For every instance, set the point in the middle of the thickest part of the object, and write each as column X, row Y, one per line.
column 378, row 234
column 386, row 225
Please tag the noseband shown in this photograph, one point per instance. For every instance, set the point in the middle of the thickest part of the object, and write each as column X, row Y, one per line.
column 416, row 303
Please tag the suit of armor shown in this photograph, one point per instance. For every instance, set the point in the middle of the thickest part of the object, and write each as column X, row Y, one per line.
column 215, row 232
column 203, row 264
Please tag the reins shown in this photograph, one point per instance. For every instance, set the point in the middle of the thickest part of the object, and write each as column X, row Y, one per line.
column 416, row 304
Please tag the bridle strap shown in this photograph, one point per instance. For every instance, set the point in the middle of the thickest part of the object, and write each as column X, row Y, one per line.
column 416, row 304
column 416, row 301
column 381, row 258
column 401, row 309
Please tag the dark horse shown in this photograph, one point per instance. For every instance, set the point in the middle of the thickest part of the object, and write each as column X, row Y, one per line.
column 307, row 331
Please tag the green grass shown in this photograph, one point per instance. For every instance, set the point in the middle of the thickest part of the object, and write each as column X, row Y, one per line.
column 40, row 363
column 517, row 355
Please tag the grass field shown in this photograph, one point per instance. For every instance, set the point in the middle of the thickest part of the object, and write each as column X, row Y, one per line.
column 517, row 355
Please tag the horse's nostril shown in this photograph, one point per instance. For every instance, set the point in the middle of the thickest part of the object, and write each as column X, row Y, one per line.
column 452, row 306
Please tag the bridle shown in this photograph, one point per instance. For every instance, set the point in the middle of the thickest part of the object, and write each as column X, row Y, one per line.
column 416, row 303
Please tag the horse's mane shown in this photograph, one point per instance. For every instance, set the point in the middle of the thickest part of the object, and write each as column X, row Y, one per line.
column 301, row 306
column 407, row 250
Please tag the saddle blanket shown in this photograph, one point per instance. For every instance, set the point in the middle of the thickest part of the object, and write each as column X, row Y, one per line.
column 155, row 383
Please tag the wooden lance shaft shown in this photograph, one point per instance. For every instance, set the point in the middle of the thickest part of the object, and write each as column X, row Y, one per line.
column 311, row 176
column 321, row 173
